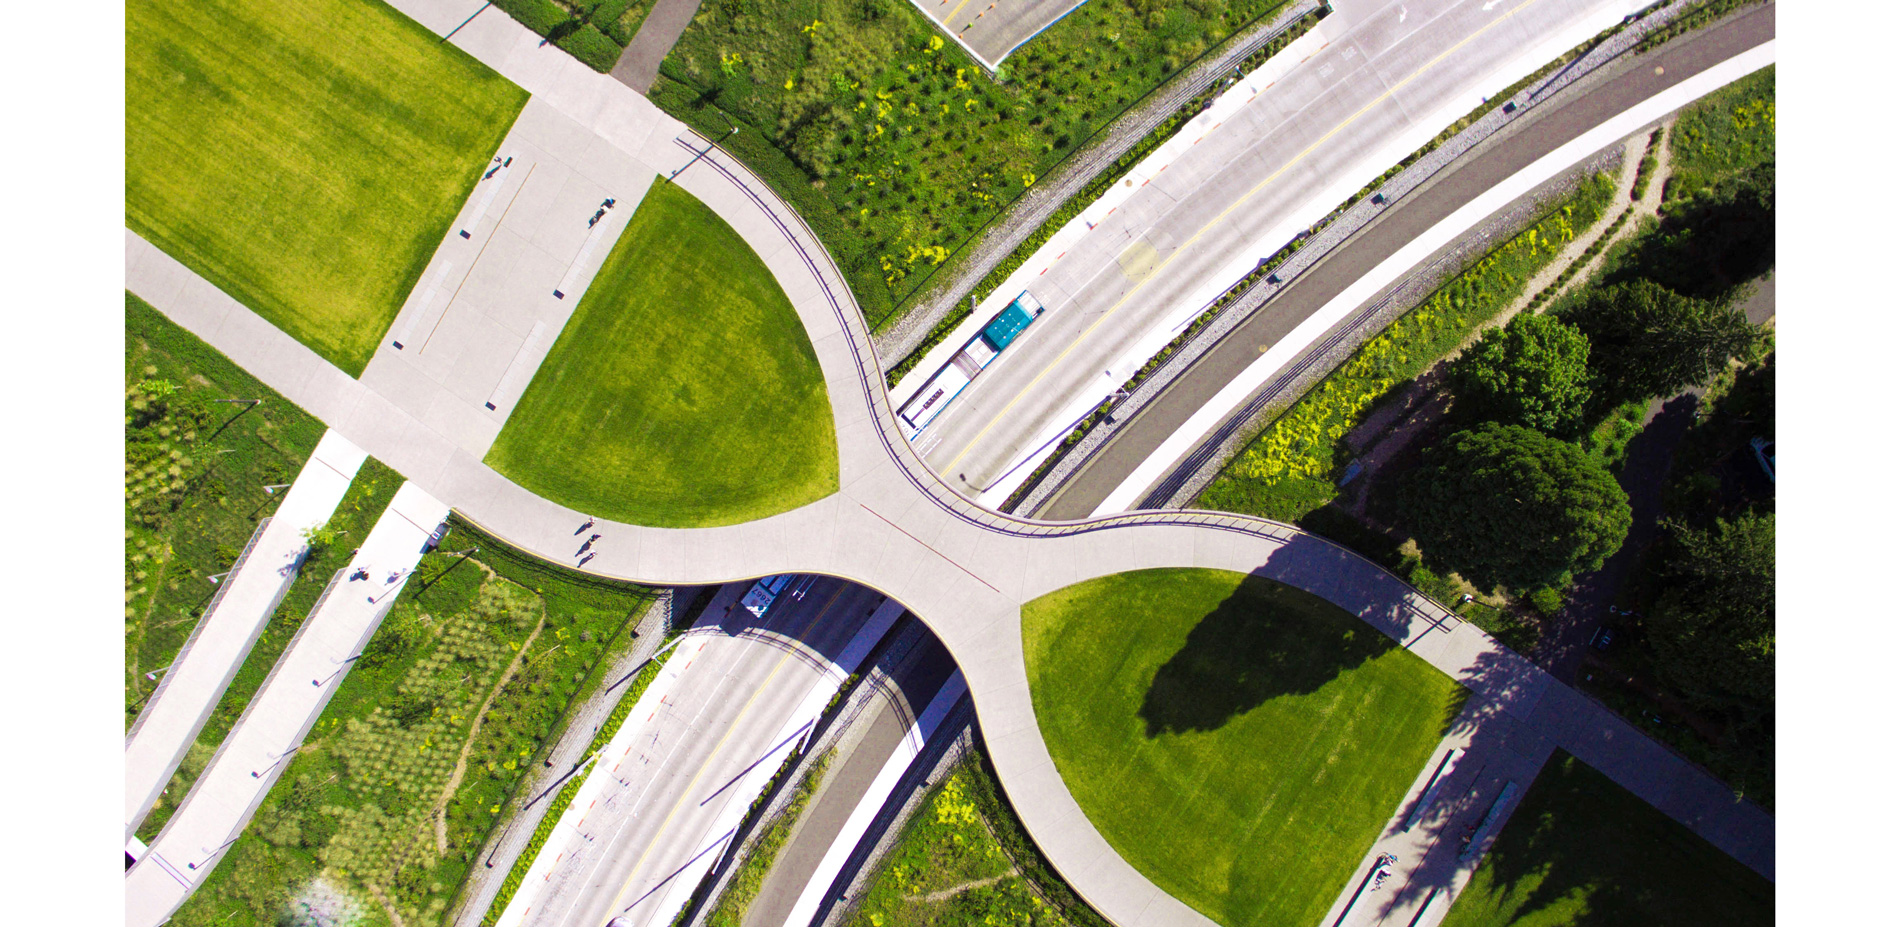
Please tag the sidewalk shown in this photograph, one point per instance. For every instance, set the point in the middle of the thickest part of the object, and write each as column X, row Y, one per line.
column 245, row 601
column 275, row 723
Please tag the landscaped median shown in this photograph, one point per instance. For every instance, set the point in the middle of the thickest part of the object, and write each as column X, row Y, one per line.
column 304, row 156
column 683, row 392
column 1238, row 741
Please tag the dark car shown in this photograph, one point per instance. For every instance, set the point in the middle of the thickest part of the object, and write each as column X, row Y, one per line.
column 1604, row 638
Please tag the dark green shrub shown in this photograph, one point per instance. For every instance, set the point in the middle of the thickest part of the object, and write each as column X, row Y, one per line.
column 1546, row 600
column 539, row 16
column 592, row 47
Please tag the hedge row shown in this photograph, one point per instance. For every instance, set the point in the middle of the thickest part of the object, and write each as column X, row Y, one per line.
column 575, row 32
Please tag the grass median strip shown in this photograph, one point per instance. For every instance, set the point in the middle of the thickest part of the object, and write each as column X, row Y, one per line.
column 1238, row 741
column 683, row 392
column 305, row 156
column 1581, row 850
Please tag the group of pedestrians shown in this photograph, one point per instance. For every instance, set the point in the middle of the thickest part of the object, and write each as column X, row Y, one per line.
column 587, row 550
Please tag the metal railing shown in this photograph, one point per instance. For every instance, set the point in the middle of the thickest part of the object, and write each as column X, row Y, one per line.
column 203, row 620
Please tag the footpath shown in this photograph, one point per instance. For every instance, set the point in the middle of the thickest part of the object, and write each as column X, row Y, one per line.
column 246, row 599
column 274, row 724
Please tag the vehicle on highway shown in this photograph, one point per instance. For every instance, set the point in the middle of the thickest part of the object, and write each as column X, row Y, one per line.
column 977, row 353
column 760, row 596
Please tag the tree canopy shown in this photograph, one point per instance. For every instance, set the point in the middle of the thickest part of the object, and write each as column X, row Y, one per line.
column 1648, row 340
column 1503, row 504
column 1713, row 625
column 1715, row 239
column 1532, row 372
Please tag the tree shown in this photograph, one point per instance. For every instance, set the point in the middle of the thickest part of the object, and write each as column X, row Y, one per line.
column 1713, row 625
column 1503, row 504
column 1647, row 340
column 1716, row 239
column 1532, row 372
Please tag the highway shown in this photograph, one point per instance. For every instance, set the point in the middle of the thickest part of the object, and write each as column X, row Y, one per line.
column 1391, row 75
column 670, row 797
column 1548, row 126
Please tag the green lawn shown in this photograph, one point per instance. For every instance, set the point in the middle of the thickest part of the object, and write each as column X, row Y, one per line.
column 306, row 156
column 683, row 392
column 1239, row 742
column 1581, row 851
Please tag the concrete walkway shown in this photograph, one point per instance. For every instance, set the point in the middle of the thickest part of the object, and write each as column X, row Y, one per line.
column 247, row 598
column 276, row 721
column 665, row 23
column 897, row 528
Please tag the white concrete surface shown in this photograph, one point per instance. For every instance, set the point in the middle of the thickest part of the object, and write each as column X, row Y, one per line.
column 275, row 723
column 247, row 597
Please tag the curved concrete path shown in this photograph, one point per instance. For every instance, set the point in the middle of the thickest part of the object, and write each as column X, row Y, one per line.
column 894, row 526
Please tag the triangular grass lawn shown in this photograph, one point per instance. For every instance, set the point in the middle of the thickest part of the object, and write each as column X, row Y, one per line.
column 305, row 156
column 1240, row 742
column 683, row 392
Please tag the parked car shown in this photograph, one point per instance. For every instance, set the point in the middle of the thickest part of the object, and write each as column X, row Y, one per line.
column 1604, row 638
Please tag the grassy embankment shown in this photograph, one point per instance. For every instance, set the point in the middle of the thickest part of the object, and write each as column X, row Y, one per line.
column 305, row 156
column 683, row 392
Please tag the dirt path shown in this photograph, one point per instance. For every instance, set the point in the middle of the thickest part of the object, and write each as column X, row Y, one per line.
column 440, row 811
column 955, row 890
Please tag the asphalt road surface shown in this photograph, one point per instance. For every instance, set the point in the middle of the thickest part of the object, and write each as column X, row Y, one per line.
column 1393, row 67
column 725, row 712
column 1544, row 128
column 885, row 724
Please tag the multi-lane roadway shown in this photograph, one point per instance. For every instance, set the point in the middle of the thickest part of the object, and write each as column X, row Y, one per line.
column 1390, row 76
column 673, row 786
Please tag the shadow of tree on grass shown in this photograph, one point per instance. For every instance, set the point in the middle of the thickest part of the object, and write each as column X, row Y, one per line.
column 1264, row 641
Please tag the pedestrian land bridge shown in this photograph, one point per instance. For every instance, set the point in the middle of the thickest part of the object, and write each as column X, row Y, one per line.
column 893, row 525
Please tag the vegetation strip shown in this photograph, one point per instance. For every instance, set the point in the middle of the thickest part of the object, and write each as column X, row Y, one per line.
column 576, row 776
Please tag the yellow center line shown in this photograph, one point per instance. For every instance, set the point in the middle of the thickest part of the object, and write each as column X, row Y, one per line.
column 614, row 909
column 1156, row 273
column 953, row 12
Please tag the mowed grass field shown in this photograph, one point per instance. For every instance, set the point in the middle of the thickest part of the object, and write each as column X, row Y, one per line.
column 1581, row 851
column 306, row 156
column 1238, row 741
column 683, row 392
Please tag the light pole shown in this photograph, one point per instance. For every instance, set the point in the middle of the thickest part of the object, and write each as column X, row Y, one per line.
column 709, row 146
column 210, row 853
column 340, row 665
column 271, row 490
column 214, row 579
column 259, row 773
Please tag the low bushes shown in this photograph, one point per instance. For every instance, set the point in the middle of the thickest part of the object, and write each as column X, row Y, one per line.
column 594, row 31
